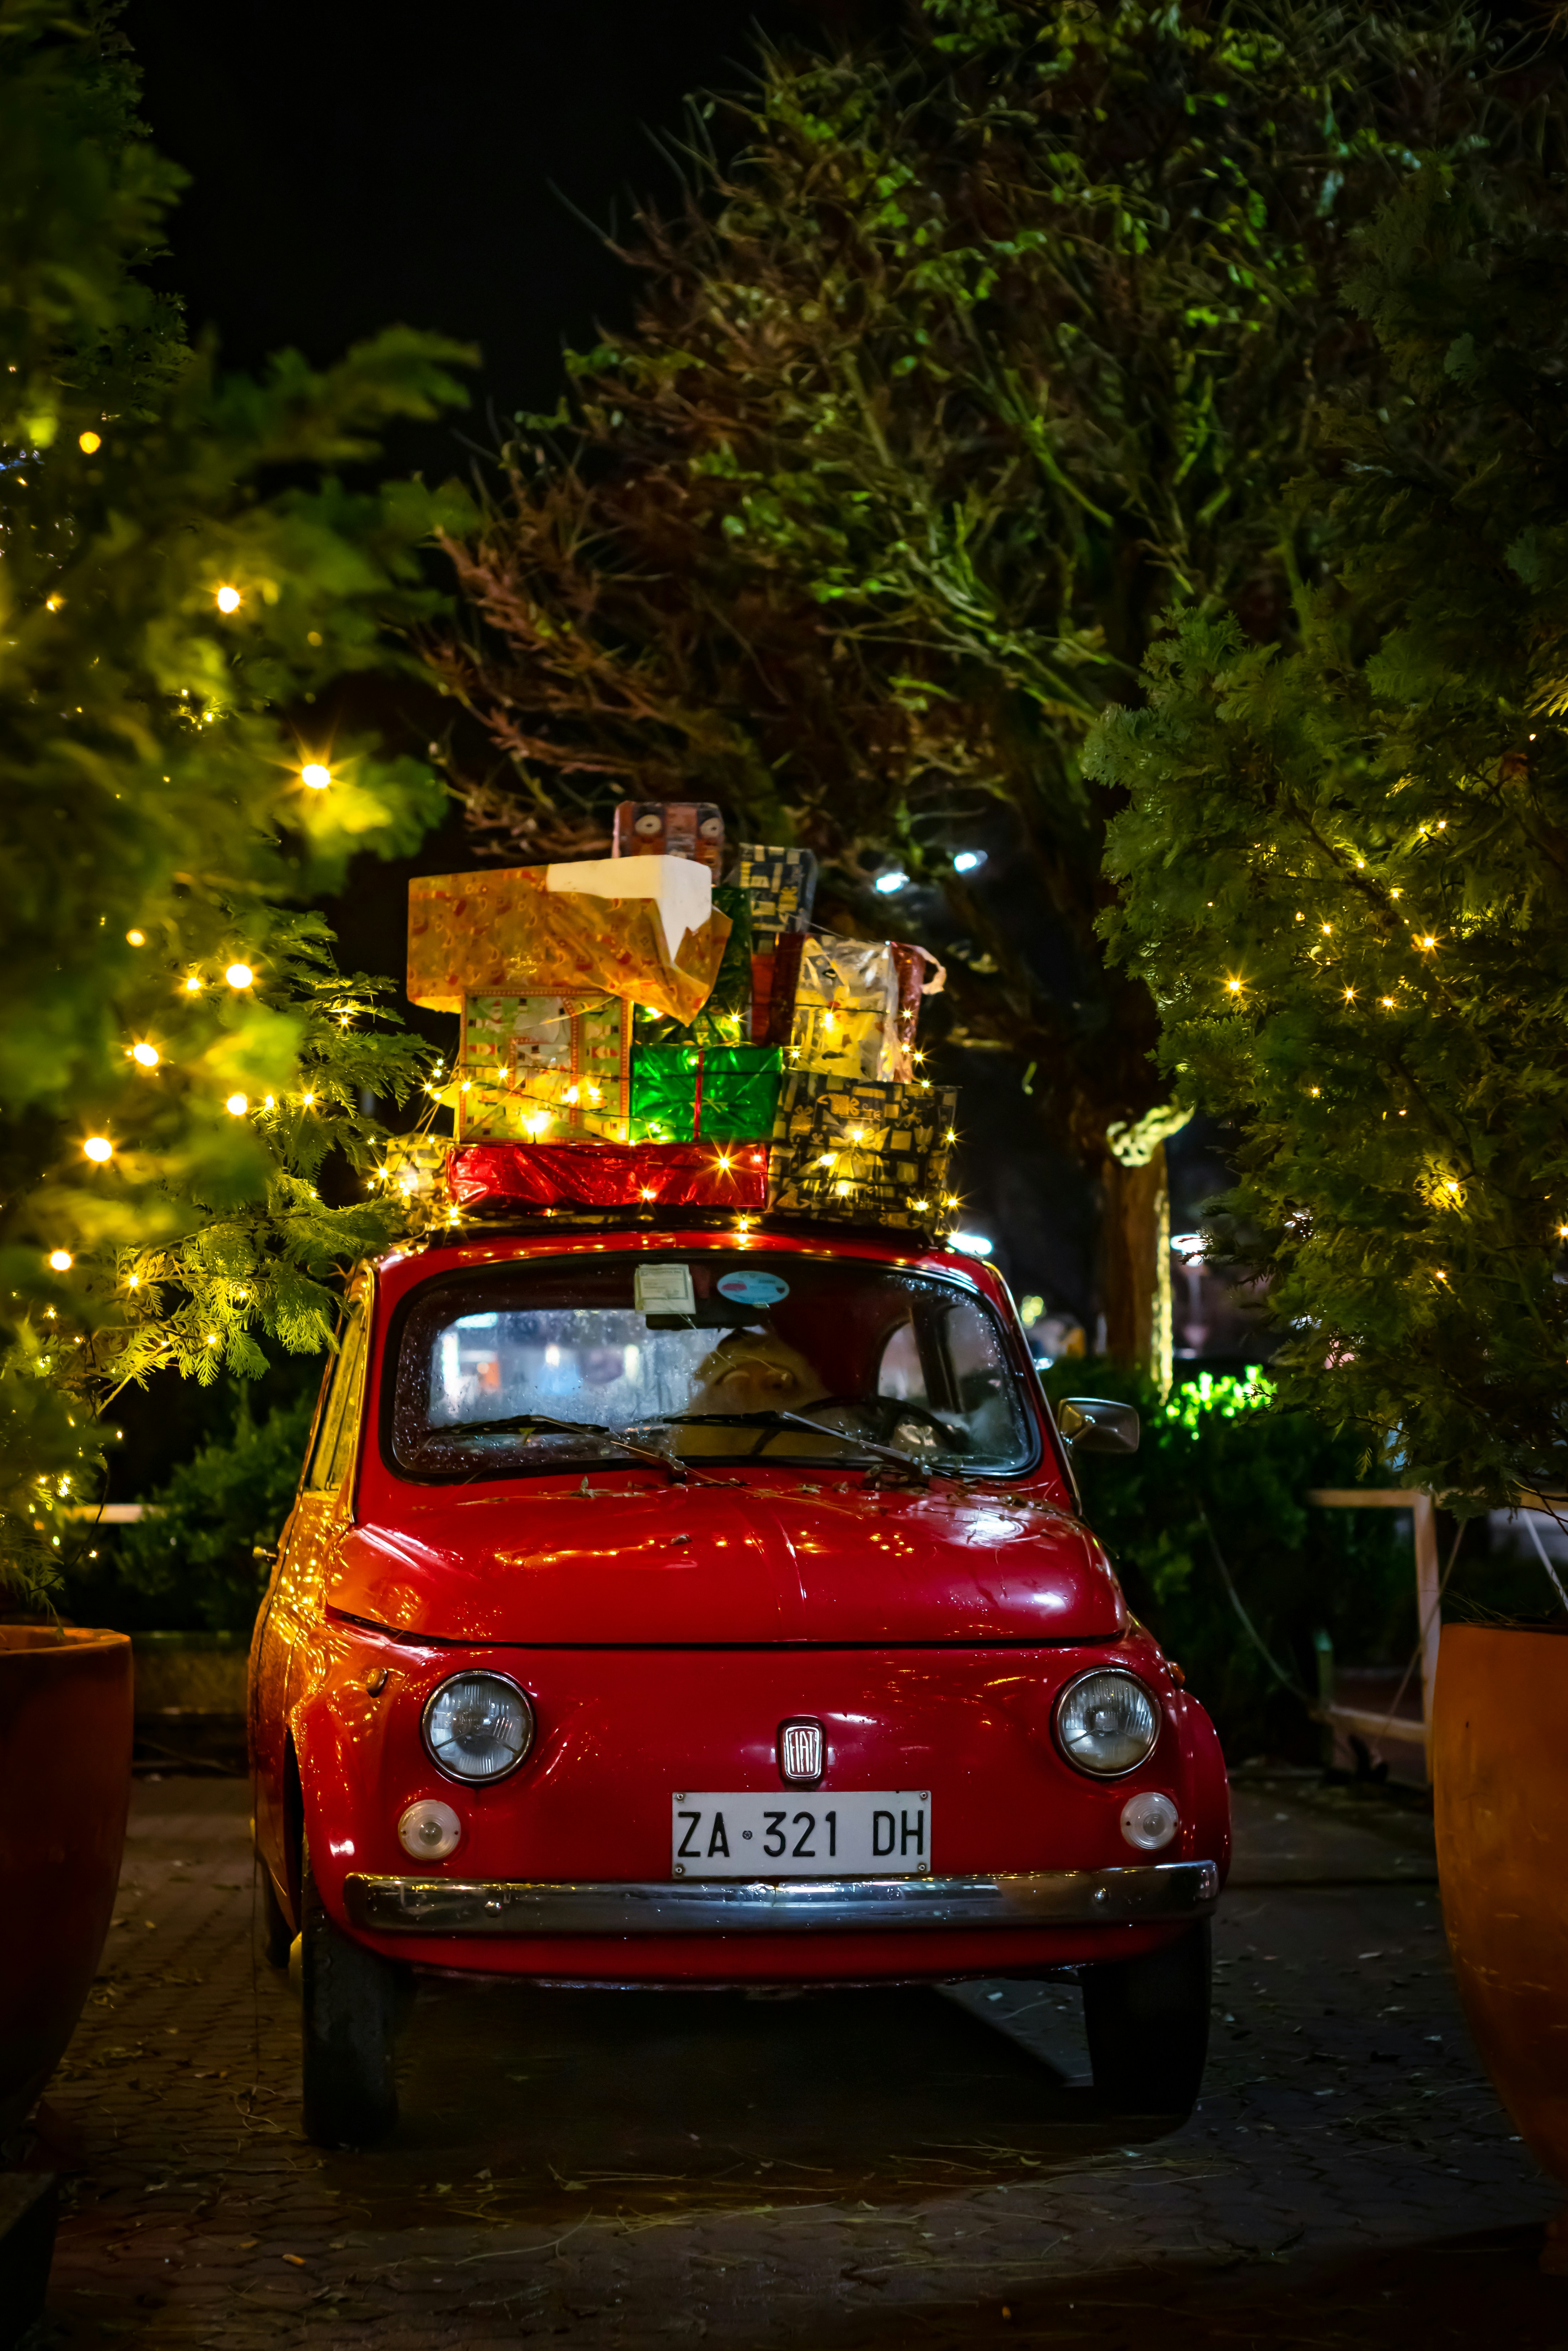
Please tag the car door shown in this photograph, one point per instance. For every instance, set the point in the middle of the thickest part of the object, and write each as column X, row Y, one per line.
column 292, row 1606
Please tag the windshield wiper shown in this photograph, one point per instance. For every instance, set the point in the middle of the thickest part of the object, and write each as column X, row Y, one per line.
column 888, row 1453
column 513, row 1424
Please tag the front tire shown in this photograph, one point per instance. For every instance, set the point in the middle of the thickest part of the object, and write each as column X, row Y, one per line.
column 272, row 1936
column 353, row 2002
column 1148, row 2026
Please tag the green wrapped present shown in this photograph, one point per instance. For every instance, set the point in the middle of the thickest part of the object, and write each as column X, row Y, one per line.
column 856, row 1152
column 704, row 1093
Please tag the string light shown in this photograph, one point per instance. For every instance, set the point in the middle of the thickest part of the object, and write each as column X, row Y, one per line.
column 90, row 442
column 1426, row 943
column 60, row 1260
column 192, row 984
column 315, row 776
column 136, row 938
column 236, row 1105
column 239, row 975
column 1350, row 996
column 1234, row 986
column 99, row 1147
column 228, row 599
column 147, row 1055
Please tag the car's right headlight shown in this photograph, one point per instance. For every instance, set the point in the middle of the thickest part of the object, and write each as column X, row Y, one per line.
column 1107, row 1721
column 477, row 1727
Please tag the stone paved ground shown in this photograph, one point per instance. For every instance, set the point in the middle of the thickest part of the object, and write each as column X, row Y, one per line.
column 883, row 2169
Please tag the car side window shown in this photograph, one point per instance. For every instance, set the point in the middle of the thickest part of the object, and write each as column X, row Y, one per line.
column 335, row 1436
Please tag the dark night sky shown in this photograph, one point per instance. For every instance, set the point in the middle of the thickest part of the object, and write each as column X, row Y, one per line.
column 360, row 163
column 357, row 165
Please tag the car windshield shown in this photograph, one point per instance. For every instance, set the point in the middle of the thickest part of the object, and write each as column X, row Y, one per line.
column 708, row 1356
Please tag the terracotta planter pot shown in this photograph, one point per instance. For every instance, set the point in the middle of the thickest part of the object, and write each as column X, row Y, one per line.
column 1499, row 1772
column 65, row 1769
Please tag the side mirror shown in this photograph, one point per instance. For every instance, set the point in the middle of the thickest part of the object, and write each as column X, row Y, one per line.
column 1095, row 1425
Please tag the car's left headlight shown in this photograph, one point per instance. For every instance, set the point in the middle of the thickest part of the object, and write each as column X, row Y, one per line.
column 1107, row 1721
column 477, row 1727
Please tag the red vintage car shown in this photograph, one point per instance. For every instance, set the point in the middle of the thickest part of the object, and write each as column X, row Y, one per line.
column 687, row 1605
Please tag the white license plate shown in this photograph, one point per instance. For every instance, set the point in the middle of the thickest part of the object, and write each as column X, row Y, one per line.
column 802, row 1833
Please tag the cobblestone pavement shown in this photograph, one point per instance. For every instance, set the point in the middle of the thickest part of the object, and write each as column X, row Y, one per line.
column 875, row 2169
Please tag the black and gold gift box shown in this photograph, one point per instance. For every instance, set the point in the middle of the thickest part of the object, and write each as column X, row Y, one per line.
column 855, row 1152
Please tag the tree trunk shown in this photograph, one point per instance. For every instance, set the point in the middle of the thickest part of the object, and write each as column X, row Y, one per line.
column 1135, row 1282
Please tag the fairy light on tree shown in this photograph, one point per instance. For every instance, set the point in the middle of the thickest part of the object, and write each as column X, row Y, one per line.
column 1384, row 772
column 130, row 700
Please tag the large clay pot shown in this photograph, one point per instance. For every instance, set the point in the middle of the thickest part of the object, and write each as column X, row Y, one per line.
column 1500, row 1774
column 65, row 1790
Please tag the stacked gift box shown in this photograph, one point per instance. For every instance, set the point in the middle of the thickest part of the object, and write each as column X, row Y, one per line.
column 638, row 1033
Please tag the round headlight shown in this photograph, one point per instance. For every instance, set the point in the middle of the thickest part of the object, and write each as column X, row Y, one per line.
column 478, row 1726
column 1107, row 1722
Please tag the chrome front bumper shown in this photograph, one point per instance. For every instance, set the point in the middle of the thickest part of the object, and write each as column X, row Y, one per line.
column 1047, row 1897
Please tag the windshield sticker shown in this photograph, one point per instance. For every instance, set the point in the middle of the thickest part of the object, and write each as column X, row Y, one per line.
column 753, row 1288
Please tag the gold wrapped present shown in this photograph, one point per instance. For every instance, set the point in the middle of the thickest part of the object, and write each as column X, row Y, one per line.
column 641, row 927
column 553, row 1069
column 858, row 1152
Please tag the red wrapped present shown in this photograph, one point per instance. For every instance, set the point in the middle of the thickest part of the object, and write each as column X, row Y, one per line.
column 609, row 1175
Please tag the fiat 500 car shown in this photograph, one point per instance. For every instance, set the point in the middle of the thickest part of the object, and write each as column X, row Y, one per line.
column 692, row 1608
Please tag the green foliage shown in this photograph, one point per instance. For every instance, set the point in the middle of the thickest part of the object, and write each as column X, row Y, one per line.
column 155, row 828
column 1345, row 875
column 193, row 1552
column 1219, row 1476
column 984, row 345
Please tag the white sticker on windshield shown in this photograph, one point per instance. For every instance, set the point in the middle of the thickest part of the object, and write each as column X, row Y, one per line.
column 753, row 1288
column 663, row 1290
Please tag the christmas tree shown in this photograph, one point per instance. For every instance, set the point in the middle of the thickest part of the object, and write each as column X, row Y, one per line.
column 1344, row 872
column 180, row 564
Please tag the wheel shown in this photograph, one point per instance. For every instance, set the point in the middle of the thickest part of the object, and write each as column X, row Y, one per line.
column 1148, row 2025
column 273, row 1935
column 352, row 2004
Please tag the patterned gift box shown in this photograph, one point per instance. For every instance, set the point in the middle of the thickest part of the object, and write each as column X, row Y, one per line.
column 780, row 884
column 855, row 1005
column 609, row 1175
column 845, row 1021
column 691, row 829
column 536, row 1066
column 858, row 1152
column 708, row 1093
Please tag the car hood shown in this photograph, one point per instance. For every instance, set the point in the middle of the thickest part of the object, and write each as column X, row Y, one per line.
column 737, row 1562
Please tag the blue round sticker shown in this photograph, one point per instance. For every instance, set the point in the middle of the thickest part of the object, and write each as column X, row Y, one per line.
column 753, row 1288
